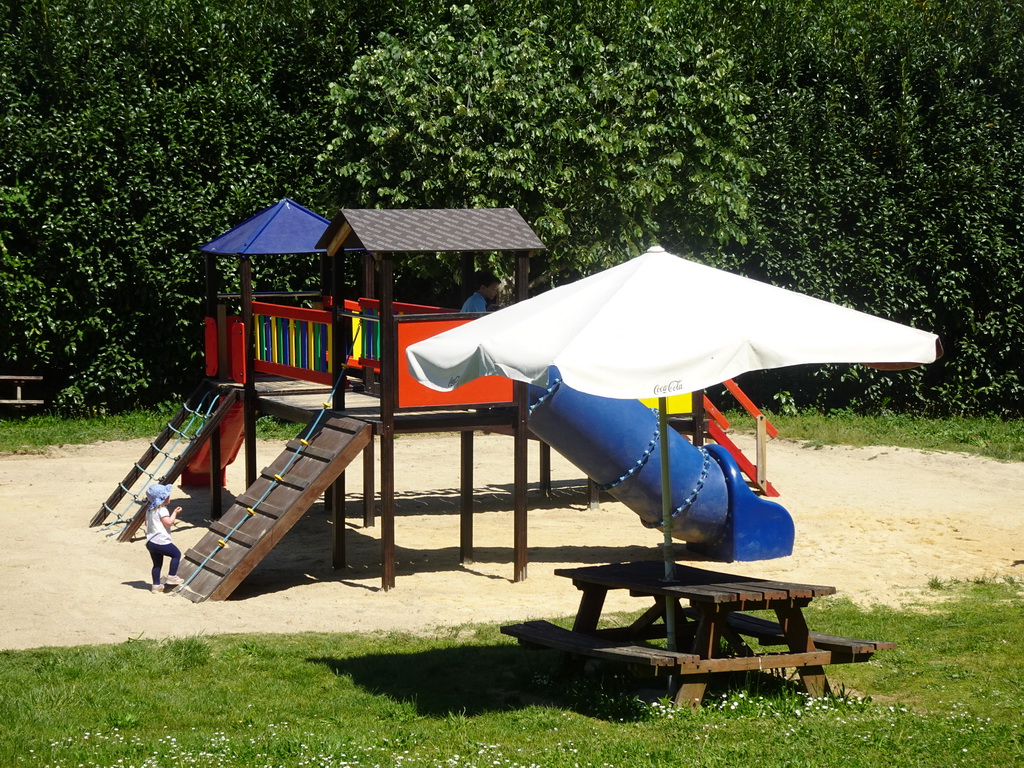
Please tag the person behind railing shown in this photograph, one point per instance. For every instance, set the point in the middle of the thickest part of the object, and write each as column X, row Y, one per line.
column 482, row 300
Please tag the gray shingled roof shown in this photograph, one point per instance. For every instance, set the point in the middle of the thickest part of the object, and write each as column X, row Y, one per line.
column 452, row 230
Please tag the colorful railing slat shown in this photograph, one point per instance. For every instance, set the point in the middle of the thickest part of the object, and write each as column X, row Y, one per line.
column 297, row 342
column 293, row 342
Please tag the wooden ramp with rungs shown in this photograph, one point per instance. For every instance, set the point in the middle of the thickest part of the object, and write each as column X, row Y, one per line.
column 261, row 516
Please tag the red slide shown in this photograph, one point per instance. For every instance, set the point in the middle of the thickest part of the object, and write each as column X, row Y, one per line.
column 232, row 433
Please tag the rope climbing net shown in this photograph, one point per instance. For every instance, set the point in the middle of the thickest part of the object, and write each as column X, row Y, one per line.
column 168, row 448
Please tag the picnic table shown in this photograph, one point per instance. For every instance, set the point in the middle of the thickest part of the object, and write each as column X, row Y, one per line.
column 16, row 382
column 710, row 628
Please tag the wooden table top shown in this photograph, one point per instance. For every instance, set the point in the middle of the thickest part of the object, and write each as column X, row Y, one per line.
column 695, row 584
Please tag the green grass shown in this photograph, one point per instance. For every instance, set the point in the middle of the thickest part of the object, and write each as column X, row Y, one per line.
column 950, row 695
column 981, row 436
column 34, row 434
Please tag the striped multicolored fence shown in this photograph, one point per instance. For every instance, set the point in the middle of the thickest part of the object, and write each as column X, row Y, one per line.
column 365, row 316
column 364, row 351
column 294, row 342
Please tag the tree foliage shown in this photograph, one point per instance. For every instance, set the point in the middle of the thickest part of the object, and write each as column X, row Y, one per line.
column 867, row 153
column 603, row 146
column 893, row 140
column 131, row 133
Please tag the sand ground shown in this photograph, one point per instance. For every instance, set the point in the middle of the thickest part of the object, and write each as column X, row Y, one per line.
column 877, row 523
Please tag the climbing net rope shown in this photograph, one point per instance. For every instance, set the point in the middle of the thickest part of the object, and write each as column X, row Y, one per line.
column 169, row 452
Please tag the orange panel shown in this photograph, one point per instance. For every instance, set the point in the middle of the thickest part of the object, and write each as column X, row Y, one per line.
column 412, row 394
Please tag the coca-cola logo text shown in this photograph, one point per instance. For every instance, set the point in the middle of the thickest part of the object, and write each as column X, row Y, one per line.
column 672, row 388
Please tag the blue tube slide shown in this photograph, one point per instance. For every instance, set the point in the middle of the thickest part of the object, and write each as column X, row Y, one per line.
column 616, row 444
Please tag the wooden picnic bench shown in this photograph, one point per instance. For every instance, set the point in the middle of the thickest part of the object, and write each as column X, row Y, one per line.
column 17, row 381
column 710, row 629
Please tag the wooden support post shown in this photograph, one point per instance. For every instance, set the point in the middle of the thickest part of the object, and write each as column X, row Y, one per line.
column 697, row 404
column 691, row 692
column 520, row 439
column 466, row 498
column 591, row 605
column 338, row 323
column 387, row 511
column 218, row 312
column 593, row 495
column 388, row 400
column 337, row 331
column 369, row 487
column 369, row 291
column 216, row 507
column 761, row 450
column 337, row 497
column 223, row 367
column 249, row 400
column 545, row 470
column 798, row 638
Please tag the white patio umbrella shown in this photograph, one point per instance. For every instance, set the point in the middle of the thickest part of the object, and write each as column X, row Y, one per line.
column 659, row 325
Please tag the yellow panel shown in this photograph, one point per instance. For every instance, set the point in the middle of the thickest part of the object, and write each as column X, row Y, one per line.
column 676, row 403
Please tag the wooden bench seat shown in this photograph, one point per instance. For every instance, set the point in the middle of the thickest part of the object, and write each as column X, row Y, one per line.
column 548, row 635
column 845, row 650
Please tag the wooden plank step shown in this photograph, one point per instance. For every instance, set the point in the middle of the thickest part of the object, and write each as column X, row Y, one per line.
column 288, row 478
column 549, row 635
column 247, row 500
column 203, row 560
column 310, row 450
column 238, row 534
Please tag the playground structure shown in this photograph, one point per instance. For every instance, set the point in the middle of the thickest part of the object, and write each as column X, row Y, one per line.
column 337, row 367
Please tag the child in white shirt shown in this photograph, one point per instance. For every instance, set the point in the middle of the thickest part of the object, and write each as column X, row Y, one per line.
column 158, row 535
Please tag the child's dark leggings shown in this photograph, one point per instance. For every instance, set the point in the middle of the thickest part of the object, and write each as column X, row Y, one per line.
column 157, row 552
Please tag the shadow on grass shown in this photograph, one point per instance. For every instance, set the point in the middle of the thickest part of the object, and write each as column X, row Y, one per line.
column 466, row 680
column 476, row 679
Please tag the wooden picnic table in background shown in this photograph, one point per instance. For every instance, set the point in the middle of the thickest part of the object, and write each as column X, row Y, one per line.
column 17, row 381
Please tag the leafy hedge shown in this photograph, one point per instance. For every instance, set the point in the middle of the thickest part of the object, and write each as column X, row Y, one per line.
column 602, row 145
column 132, row 132
column 893, row 140
column 868, row 153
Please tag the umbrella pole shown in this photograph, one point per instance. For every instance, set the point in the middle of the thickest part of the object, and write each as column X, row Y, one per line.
column 666, row 518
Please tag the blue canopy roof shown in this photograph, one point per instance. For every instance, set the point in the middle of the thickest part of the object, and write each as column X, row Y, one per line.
column 284, row 227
